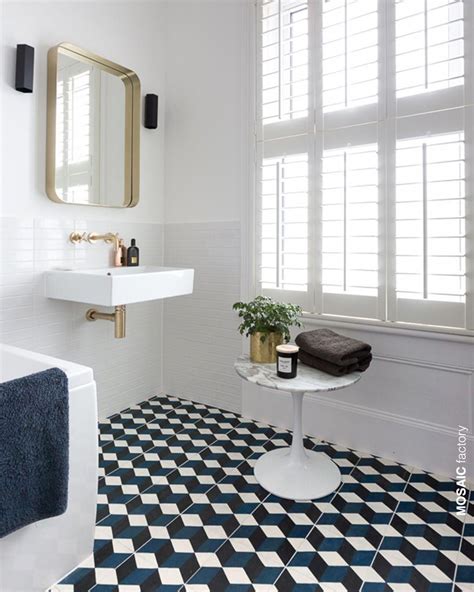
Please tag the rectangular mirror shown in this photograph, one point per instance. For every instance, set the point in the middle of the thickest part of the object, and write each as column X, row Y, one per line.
column 93, row 130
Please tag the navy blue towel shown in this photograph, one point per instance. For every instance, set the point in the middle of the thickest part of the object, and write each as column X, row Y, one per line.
column 34, row 449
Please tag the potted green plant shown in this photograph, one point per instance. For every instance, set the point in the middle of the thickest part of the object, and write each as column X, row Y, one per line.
column 268, row 324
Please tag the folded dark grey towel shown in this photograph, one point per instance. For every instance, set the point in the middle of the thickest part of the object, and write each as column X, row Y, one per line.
column 332, row 347
column 34, row 449
column 333, row 369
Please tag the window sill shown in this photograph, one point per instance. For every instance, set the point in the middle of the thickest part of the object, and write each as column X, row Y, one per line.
column 401, row 329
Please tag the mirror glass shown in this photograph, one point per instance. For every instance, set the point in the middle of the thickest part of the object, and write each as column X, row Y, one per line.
column 91, row 153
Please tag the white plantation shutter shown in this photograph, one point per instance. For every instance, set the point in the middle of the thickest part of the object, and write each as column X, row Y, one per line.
column 349, row 53
column 349, row 195
column 430, row 227
column 284, row 224
column 284, row 63
column 429, row 45
column 364, row 205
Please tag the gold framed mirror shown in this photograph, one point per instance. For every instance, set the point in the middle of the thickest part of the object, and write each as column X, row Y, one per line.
column 93, row 130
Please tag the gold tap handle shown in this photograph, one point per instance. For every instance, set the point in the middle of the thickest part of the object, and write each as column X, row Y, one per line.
column 77, row 237
column 93, row 237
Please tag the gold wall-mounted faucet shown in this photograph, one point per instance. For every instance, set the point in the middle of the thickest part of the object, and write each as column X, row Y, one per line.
column 93, row 237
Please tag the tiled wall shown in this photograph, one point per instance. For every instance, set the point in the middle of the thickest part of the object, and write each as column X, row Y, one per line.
column 200, row 340
column 126, row 370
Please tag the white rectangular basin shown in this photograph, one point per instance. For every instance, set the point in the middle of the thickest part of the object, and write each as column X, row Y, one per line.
column 113, row 286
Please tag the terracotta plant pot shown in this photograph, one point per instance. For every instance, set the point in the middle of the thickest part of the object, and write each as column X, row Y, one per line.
column 264, row 352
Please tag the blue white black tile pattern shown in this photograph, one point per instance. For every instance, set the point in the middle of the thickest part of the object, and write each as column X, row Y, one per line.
column 179, row 510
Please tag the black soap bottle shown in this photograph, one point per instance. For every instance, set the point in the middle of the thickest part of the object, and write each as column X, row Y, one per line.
column 133, row 255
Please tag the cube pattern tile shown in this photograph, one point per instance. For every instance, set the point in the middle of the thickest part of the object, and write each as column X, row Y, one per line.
column 179, row 509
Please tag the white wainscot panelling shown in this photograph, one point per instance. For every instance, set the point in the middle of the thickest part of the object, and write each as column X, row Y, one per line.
column 126, row 370
column 200, row 338
column 408, row 405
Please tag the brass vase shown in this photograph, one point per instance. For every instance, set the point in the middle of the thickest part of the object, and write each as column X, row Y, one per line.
column 264, row 352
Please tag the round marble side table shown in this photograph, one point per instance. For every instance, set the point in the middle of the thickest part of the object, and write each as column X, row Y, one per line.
column 294, row 472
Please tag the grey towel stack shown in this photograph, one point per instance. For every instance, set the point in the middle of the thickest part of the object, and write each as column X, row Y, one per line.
column 333, row 353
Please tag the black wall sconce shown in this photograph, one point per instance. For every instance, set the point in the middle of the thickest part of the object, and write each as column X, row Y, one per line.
column 25, row 63
column 151, row 111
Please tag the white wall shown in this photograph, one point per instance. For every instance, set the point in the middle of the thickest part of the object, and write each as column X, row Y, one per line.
column 131, row 34
column 207, row 97
column 34, row 230
column 200, row 342
column 206, row 179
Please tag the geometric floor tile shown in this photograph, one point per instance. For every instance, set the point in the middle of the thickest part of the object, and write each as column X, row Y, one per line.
column 179, row 509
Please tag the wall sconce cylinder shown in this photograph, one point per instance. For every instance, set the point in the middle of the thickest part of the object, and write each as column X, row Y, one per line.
column 151, row 111
column 25, row 62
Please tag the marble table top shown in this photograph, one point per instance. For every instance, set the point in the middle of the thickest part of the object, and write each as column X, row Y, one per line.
column 308, row 380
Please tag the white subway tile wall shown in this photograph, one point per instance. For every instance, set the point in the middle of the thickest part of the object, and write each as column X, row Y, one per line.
column 126, row 370
column 200, row 338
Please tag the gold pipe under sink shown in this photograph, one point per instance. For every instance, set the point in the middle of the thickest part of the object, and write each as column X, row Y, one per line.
column 118, row 318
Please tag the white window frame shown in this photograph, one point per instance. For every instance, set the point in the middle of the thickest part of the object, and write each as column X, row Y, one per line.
column 301, row 132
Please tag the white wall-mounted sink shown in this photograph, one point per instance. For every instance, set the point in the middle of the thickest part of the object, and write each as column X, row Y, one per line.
column 113, row 286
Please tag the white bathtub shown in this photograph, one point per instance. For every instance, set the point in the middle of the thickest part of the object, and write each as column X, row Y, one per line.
column 35, row 557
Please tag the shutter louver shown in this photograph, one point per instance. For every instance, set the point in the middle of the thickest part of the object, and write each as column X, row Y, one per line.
column 430, row 227
column 430, row 218
column 350, row 221
column 284, row 223
column 349, row 52
column 284, row 60
column 429, row 45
